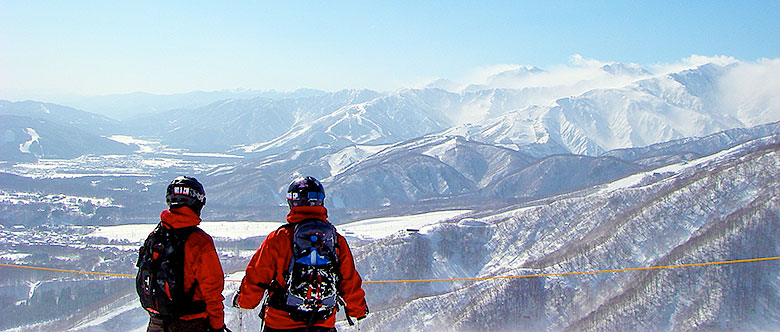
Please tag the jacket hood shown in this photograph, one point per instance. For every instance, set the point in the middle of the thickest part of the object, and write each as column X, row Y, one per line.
column 179, row 217
column 299, row 213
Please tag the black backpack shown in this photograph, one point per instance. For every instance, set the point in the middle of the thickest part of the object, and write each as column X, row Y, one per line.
column 312, row 277
column 160, row 278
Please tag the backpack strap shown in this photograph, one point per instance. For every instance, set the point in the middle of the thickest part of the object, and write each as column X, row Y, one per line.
column 276, row 293
column 191, row 307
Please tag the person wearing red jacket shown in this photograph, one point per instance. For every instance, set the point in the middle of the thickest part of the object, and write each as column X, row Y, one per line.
column 267, row 267
column 203, row 276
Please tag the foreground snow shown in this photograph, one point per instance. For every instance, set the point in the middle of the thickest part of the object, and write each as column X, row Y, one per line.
column 368, row 229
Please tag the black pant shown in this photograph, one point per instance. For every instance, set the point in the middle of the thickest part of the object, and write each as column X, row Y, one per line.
column 303, row 329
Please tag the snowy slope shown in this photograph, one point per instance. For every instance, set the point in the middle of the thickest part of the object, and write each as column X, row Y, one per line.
column 719, row 207
column 118, row 308
column 369, row 229
column 382, row 120
column 426, row 168
column 716, row 208
column 61, row 115
column 223, row 231
column 223, row 125
column 26, row 138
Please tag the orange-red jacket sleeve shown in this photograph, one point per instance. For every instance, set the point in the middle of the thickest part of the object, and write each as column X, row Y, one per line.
column 206, row 269
column 264, row 267
column 351, row 285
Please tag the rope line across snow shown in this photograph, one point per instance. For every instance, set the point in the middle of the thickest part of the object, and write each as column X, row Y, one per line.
column 750, row 260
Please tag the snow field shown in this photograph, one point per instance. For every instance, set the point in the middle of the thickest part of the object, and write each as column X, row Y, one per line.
column 369, row 229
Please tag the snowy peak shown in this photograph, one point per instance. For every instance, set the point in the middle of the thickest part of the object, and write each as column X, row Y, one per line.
column 341, row 161
column 586, row 109
column 433, row 167
column 506, row 77
column 701, row 81
column 382, row 120
column 649, row 111
column 224, row 125
column 625, row 69
column 444, row 84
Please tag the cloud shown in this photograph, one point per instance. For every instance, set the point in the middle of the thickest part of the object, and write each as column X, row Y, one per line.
column 577, row 76
column 752, row 86
column 481, row 75
column 746, row 85
column 691, row 62
column 580, row 61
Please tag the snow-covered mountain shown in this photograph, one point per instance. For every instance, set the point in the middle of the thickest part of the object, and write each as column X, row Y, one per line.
column 61, row 115
column 535, row 117
column 32, row 130
column 337, row 136
column 27, row 139
column 716, row 208
column 648, row 111
column 130, row 105
column 429, row 168
column 223, row 125
column 623, row 106
column 623, row 169
column 437, row 169
column 686, row 149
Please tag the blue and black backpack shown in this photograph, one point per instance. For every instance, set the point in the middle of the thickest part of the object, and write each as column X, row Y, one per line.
column 312, row 276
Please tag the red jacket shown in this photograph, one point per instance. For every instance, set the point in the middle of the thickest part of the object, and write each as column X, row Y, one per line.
column 271, row 261
column 201, row 263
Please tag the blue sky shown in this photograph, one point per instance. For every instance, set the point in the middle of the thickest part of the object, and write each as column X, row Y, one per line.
column 105, row 47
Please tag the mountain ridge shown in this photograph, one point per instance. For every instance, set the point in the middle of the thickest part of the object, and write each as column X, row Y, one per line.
column 605, row 301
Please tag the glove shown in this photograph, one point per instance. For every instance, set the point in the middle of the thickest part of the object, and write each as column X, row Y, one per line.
column 349, row 320
column 235, row 299
column 221, row 329
column 364, row 315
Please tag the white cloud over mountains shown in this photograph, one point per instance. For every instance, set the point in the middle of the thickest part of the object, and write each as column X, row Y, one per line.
column 582, row 74
column 752, row 85
column 580, row 68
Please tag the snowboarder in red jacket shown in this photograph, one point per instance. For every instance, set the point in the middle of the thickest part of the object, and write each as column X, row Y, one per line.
column 203, row 276
column 267, row 268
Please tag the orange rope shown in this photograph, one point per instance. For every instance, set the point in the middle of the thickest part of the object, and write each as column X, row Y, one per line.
column 578, row 273
column 68, row 271
column 452, row 279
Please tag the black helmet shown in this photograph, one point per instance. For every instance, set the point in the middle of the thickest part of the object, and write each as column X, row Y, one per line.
column 186, row 191
column 305, row 191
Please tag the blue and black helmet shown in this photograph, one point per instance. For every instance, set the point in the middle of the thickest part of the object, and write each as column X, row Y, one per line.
column 305, row 191
column 186, row 191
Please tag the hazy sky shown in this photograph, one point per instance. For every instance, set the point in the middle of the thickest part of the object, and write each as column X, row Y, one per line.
column 106, row 47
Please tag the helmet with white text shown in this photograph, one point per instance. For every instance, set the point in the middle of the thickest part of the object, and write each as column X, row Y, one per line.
column 186, row 191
